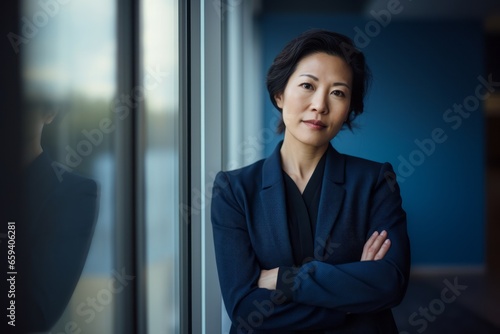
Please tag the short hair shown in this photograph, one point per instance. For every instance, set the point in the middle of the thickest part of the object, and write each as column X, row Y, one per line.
column 315, row 41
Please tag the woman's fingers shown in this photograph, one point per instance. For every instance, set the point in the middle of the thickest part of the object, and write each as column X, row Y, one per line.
column 376, row 247
column 368, row 247
column 383, row 250
column 368, row 244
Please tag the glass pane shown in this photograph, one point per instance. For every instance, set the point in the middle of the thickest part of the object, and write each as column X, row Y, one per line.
column 69, row 74
column 161, row 82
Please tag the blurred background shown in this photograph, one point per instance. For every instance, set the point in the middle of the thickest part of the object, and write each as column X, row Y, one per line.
column 153, row 97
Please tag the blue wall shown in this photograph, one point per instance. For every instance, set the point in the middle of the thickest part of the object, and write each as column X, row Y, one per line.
column 420, row 70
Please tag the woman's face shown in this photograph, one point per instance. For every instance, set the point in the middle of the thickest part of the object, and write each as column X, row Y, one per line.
column 316, row 99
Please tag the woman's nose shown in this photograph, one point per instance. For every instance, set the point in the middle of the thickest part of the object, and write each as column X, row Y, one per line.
column 319, row 103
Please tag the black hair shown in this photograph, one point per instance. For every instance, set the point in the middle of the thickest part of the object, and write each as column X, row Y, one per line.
column 314, row 41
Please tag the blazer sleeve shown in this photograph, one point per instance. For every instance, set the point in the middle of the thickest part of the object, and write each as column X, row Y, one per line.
column 367, row 286
column 248, row 306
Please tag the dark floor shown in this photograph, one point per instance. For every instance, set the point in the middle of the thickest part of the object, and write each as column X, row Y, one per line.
column 452, row 303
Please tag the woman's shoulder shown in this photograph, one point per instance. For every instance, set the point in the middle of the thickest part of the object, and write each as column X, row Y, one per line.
column 242, row 182
column 362, row 162
column 363, row 166
column 246, row 173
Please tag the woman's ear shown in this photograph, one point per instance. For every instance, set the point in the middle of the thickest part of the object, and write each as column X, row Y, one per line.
column 278, row 98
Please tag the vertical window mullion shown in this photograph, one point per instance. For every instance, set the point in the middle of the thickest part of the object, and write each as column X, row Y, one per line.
column 185, row 105
column 127, row 250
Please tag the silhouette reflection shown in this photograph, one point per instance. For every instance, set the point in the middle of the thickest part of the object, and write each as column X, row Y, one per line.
column 58, row 219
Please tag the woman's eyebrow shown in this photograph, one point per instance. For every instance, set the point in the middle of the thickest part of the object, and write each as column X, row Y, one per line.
column 341, row 84
column 316, row 79
column 310, row 76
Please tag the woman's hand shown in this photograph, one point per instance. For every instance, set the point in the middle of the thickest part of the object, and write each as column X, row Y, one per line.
column 376, row 247
column 268, row 279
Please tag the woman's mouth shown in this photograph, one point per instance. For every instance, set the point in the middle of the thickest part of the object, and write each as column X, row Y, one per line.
column 315, row 124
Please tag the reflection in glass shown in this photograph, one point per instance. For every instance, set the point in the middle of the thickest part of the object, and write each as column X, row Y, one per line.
column 68, row 73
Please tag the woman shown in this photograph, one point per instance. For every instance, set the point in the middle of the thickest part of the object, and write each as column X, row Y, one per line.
column 311, row 240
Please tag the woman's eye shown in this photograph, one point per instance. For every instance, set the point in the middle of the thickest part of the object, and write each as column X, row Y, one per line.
column 338, row 93
column 306, row 85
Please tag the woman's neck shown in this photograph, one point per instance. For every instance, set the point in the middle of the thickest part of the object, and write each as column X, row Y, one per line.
column 299, row 160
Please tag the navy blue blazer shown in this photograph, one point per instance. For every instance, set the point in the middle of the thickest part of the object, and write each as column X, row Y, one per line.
column 334, row 293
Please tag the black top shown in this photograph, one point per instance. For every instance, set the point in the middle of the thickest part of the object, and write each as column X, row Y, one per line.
column 302, row 213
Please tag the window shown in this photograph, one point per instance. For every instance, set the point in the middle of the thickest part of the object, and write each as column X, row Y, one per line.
column 110, row 72
column 68, row 67
column 160, row 77
column 136, row 90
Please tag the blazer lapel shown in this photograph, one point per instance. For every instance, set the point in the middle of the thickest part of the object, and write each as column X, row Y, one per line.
column 273, row 200
column 332, row 197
